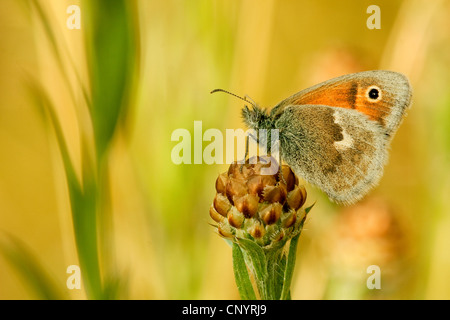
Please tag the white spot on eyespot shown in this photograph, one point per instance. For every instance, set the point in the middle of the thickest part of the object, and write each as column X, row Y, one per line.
column 374, row 95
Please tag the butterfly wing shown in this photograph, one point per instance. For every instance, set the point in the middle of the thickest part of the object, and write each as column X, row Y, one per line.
column 381, row 95
column 340, row 150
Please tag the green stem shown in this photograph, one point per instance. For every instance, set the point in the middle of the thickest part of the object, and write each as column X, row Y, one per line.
column 241, row 275
column 289, row 271
column 276, row 263
column 272, row 266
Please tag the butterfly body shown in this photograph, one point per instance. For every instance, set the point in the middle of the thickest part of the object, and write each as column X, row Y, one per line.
column 336, row 134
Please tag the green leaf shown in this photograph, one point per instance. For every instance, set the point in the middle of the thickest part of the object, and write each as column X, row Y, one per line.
column 241, row 275
column 255, row 258
column 307, row 210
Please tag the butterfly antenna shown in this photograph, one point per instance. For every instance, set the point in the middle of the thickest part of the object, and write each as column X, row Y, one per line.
column 235, row 95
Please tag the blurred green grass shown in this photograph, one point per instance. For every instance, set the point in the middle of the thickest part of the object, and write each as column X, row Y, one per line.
column 114, row 91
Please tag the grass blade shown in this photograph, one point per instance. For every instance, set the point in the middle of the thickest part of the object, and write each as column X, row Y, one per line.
column 112, row 43
column 82, row 200
column 30, row 269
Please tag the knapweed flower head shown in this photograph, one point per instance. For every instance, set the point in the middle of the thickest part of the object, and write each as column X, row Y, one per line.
column 251, row 205
column 261, row 215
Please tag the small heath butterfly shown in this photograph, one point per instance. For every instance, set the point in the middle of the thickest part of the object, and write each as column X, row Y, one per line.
column 336, row 134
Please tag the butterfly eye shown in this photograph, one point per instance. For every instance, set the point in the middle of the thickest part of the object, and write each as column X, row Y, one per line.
column 373, row 93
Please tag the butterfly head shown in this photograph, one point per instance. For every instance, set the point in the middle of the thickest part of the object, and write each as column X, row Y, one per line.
column 257, row 118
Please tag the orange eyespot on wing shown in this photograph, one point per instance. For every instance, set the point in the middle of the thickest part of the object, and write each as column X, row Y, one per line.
column 381, row 95
column 365, row 98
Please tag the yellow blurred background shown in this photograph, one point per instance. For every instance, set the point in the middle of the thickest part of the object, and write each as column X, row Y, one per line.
column 153, row 232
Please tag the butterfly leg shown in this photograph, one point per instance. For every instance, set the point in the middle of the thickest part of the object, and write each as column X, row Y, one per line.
column 246, row 154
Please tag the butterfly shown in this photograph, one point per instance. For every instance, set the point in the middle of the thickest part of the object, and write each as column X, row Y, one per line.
column 336, row 134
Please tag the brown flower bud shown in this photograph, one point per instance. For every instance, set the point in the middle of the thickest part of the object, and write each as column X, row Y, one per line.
column 225, row 230
column 247, row 204
column 221, row 183
column 287, row 177
column 236, row 187
column 274, row 194
column 271, row 213
column 233, row 169
column 257, row 183
column 235, row 218
column 256, row 230
column 251, row 205
column 288, row 219
column 221, row 204
column 297, row 197
column 215, row 215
